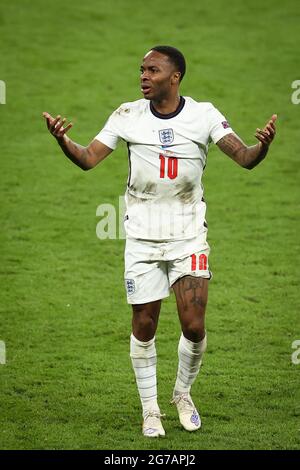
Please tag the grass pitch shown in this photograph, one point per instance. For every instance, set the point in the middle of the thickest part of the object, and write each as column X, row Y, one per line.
column 67, row 382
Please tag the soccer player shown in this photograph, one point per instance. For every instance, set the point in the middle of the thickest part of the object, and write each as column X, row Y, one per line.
column 168, row 137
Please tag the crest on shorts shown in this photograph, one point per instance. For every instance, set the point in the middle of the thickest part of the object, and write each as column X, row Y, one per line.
column 130, row 286
column 166, row 136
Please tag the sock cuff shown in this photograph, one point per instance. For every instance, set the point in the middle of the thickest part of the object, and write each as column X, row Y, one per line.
column 194, row 348
column 143, row 344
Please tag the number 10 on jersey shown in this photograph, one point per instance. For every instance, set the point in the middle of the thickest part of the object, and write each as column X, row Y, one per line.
column 168, row 167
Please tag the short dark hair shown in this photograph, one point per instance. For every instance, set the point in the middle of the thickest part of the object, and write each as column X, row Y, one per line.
column 175, row 56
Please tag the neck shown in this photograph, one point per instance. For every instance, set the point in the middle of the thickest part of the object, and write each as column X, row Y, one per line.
column 167, row 105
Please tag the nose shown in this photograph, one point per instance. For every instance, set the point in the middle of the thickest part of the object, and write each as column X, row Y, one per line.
column 144, row 76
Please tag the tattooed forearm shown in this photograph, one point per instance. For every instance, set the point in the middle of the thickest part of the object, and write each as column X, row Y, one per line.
column 247, row 157
column 231, row 144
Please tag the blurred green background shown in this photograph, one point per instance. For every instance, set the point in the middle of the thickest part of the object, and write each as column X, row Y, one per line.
column 67, row 382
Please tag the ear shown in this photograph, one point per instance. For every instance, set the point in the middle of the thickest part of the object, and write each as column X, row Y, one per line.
column 176, row 78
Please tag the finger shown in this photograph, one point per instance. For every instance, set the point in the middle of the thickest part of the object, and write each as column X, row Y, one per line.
column 54, row 122
column 47, row 115
column 274, row 117
column 49, row 121
column 271, row 123
column 264, row 138
column 271, row 126
column 266, row 130
column 264, row 134
column 260, row 139
column 59, row 125
column 67, row 128
column 271, row 130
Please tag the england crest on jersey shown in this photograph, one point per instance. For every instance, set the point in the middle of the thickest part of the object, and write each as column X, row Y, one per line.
column 166, row 136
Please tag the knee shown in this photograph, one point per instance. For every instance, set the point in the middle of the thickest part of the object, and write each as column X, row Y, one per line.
column 143, row 325
column 144, row 322
column 194, row 330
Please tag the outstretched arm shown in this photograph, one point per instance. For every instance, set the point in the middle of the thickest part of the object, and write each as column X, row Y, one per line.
column 249, row 157
column 84, row 157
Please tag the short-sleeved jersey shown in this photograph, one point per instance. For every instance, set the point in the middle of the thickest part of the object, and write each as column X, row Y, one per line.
column 167, row 156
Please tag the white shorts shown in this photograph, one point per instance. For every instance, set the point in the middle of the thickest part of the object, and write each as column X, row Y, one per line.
column 151, row 268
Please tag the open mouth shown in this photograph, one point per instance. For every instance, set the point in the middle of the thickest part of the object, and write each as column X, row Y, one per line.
column 145, row 89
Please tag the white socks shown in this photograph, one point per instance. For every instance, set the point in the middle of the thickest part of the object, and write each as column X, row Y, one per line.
column 190, row 359
column 143, row 358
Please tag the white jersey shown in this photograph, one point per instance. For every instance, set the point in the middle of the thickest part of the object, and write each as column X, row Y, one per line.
column 167, row 156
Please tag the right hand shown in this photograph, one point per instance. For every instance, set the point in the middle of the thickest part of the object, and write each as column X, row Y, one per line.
column 267, row 135
column 56, row 126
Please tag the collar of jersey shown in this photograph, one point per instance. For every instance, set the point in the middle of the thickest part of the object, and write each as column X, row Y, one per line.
column 170, row 115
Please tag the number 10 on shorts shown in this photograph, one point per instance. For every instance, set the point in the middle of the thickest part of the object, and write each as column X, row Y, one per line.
column 199, row 262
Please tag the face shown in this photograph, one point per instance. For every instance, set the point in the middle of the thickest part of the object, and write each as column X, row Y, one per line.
column 158, row 76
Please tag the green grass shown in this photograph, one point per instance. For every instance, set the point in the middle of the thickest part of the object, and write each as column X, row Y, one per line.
column 68, row 383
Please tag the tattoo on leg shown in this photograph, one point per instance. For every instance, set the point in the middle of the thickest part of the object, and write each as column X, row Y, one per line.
column 191, row 288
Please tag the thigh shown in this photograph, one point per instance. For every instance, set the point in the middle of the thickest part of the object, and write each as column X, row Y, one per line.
column 191, row 296
column 146, row 278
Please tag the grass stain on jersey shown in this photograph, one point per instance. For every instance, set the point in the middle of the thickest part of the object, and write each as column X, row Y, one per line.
column 133, row 198
column 185, row 191
column 150, row 188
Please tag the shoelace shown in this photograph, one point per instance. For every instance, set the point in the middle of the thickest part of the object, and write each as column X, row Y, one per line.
column 185, row 398
column 153, row 414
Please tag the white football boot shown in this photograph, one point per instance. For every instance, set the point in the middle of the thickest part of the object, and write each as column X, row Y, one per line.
column 188, row 415
column 152, row 426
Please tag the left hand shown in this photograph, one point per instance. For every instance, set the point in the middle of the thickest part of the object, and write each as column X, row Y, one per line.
column 267, row 135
